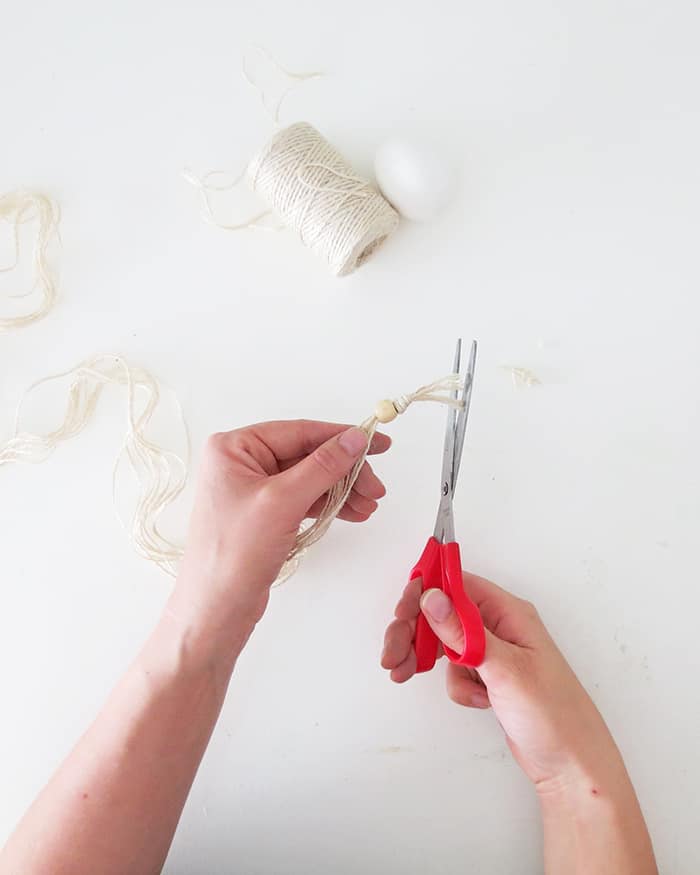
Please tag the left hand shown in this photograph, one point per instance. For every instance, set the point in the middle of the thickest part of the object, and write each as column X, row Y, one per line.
column 256, row 486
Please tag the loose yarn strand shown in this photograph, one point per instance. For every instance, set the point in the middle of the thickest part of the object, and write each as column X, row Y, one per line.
column 522, row 376
column 17, row 208
column 161, row 473
column 205, row 189
column 203, row 184
column 441, row 392
column 297, row 78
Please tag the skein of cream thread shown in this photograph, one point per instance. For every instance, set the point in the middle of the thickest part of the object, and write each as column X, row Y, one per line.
column 314, row 190
column 17, row 208
column 161, row 474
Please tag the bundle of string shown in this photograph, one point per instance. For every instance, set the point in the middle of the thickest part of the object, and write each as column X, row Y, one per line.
column 161, row 473
column 18, row 208
column 443, row 391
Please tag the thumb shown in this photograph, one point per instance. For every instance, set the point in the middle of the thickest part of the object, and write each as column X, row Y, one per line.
column 309, row 479
column 442, row 618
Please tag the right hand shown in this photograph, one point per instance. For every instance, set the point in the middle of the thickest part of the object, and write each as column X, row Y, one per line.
column 551, row 724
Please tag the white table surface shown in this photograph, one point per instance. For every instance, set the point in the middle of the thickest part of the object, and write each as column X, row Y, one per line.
column 571, row 249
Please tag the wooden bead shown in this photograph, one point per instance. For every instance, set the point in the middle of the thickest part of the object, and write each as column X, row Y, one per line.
column 385, row 411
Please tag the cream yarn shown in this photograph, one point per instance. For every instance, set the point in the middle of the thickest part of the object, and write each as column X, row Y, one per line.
column 314, row 190
column 308, row 185
column 161, row 474
column 273, row 107
column 18, row 208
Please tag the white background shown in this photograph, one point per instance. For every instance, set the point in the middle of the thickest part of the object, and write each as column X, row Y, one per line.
column 570, row 249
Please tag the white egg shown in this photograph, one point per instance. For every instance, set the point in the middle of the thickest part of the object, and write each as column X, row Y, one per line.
column 413, row 177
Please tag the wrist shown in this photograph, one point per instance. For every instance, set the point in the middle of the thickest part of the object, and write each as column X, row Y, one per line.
column 594, row 771
column 213, row 624
column 593, row 823
column 592, row 794
column 579, row 790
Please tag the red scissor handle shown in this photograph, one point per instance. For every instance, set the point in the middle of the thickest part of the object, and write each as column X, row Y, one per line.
column 440, row 567
column 429, row 568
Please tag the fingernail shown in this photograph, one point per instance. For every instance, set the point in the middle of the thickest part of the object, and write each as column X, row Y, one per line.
column 435, row 603
column 480, row 700
column 374, row 443
column 353, row 441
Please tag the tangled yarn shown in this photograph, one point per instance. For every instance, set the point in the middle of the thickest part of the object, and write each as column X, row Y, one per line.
column 161, row 473
column 17, row 208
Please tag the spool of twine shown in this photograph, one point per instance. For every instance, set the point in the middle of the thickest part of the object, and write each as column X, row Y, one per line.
column 314, row 190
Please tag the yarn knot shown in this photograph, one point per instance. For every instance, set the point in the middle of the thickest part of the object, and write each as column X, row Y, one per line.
column 402, row 403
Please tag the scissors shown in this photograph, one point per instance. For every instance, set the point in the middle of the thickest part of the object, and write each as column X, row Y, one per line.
column 440, row 565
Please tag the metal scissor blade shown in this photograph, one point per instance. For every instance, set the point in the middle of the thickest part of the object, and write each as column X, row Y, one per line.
column 465, row 397
column 444, row 525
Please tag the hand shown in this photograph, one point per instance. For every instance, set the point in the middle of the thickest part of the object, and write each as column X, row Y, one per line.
column 256, row 486
column 552, row 726
column 591, row 815
column 114, row 804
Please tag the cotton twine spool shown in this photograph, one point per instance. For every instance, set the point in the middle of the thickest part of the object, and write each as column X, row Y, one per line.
column 314, row 190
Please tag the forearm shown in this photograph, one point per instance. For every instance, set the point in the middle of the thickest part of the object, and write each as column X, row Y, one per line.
column 595, row 824
column 114, row 804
